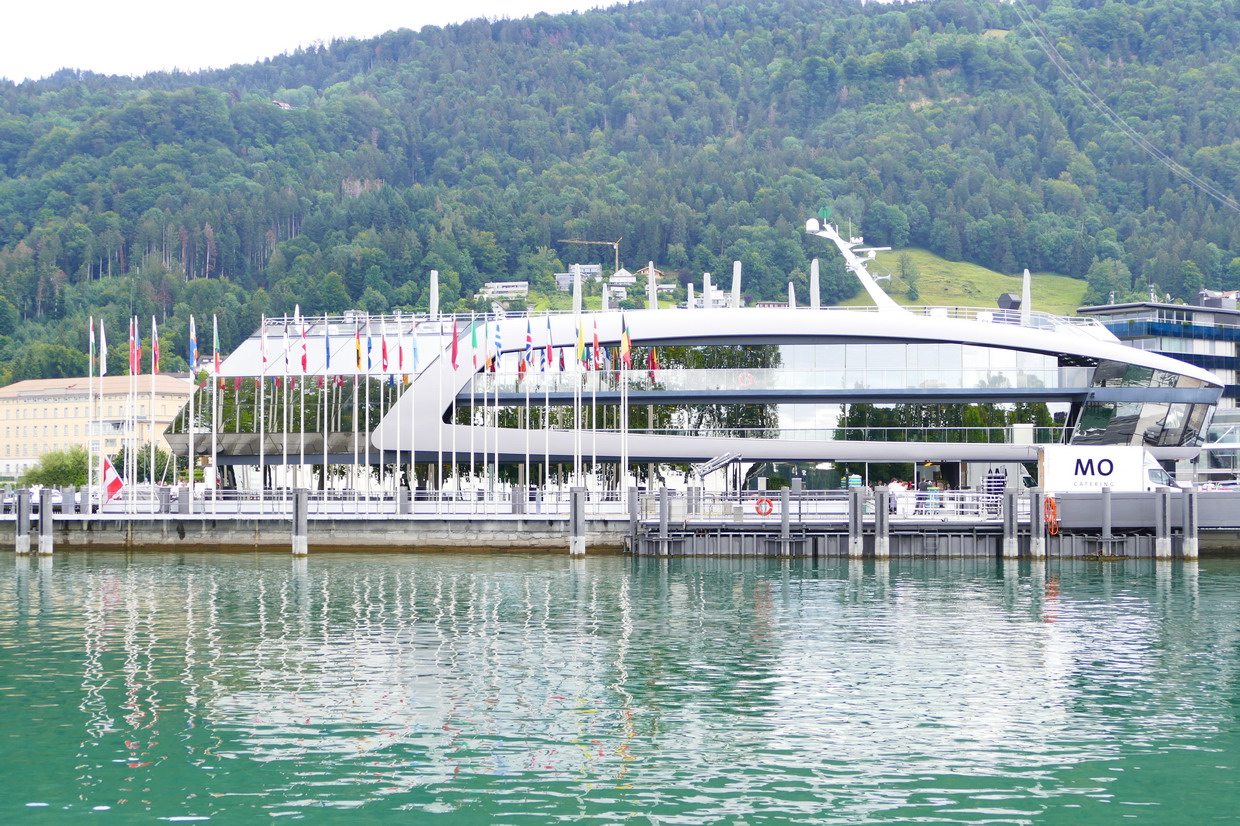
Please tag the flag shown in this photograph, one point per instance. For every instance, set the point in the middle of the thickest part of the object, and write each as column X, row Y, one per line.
column 498, row 348
column 154, row 347
column 305, row 331
column 473, row 342
column 327, row 347
column 383, row 354
column 103, row 350
column 135, row 355
column 215, row 343
column 596, row 350
column 581, row 342
column 626, row 345
column 528, row 357
column 548, row 353
column 236, row 383
column 652, row 362
column 370, row 346
column 413, row 333
column 561, row 359
column 521, row 368
column 90, row 361
column 112, row 482
column 262, row 343
column 357, row 340
column 455, row 342
column 193, row 346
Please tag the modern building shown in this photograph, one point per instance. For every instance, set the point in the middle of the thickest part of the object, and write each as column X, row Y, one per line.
column 1205, row 333
column 474, row 398
column 44, row 415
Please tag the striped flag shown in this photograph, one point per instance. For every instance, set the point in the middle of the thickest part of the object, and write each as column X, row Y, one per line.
column 112, row 481
column 154, row 347
column 193, row 345
column 456, row 342
column 103, row 350
column 626, row 345
column 528, row 356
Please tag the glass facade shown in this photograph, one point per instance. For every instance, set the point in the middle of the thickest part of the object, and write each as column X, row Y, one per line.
column 1140, row 422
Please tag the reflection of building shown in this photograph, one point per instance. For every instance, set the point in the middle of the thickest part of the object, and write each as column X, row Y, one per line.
column 1206, row 334
column 45, row 415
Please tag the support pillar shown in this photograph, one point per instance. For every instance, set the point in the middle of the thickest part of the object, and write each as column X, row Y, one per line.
column 1190, row 544
column 1162, row 524
column 47, row 522
column 21, row 512
column 1011, row 539
column 882, row 523
column 577, row 521
column 1037, row 523
column 1106, row 513
column 402, row 501
column 856, row 523
column 301, row 522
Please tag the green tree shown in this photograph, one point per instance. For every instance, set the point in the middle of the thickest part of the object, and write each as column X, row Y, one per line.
column 60, row 468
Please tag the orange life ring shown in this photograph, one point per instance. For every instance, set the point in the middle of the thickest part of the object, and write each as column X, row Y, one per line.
column 764, row 507
column 745, row 379
column 1050, row 512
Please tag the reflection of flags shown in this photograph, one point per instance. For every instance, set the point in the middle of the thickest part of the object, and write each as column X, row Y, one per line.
column 652, row 362
column 112, row 482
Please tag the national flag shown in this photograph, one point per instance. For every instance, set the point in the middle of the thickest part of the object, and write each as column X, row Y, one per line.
column 357, row 340
column 135, row 360
column 562, row 359
column 528, row 356
column 548, row 353
column 521, row 368
column 455, row 342
column 413, row 333
column 626, row 345
column 473, row 341
column 90, row 360
column 383, row 353
column 112, row 481
column 305, row 332
column 581, row 342
column 596, row 350
column 103, row 350
column 327, row 347
column 236, row 383
column 193, row 345
column 262, row 343
column 498, row 347
column 215, row 342
column 154, row 347
column 652, row 362
column 370, row 346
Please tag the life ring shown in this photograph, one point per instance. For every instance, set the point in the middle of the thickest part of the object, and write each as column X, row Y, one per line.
column 764, row 507
column 745, row 379
column 1050, row 512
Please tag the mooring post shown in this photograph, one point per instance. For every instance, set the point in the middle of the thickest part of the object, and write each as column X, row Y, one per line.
column 46, row 522
column 1011, row 539
column 165, row 500
column 518, row 498
column 785, row 515
column 856, row 523
column 577, row 521
column 301, row 522
column 1106, row 512
column 1189, row 545
column 882, row 523
column 1162, row 524
column 663, row 513
column 402, row 500
column 634, row 511
column 21, row 511
column 1037, row 523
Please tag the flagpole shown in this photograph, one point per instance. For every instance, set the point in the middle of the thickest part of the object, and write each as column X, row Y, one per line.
column 262, row 418
column 396, row 394
column 301, row 436
column 131, row 420
column 286, row 421
column 327, row 397
column 473, row 411
column 151, row 418
column 357, row 373
column 215, row 415
column 90, row 415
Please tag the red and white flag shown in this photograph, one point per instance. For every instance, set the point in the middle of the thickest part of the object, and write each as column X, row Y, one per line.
column 112, row 482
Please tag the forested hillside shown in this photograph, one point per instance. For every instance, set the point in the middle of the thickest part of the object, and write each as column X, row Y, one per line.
column 699, row 132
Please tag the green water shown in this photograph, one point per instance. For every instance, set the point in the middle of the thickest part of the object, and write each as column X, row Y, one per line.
column 536, row 689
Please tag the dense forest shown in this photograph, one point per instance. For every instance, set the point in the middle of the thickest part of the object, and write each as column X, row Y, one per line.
column 698, row 132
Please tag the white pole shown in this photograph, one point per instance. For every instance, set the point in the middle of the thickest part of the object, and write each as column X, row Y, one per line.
column 151, row 418
column 215, row 414
column 262, row 422
column 327, row 398
column 286, row 418
column 301, row 435
column 90, row 417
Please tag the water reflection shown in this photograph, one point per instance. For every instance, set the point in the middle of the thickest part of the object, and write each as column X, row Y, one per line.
column 597, row 689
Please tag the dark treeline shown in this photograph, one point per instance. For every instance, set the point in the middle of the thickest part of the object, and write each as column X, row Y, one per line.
column 699, row 132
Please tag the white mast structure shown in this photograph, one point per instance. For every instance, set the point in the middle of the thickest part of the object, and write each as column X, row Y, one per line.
column 854, row 262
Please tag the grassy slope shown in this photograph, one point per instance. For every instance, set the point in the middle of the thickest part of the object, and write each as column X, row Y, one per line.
column 955, row 283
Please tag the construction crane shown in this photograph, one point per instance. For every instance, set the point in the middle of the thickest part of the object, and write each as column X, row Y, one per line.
column 615, row 245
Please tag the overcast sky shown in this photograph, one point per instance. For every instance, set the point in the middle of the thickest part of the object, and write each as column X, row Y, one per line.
column 133, row 37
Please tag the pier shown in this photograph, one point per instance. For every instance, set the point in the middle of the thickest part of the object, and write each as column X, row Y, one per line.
column 855, row 523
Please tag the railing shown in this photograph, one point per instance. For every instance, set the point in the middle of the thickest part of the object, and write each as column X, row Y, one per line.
column 766, row 507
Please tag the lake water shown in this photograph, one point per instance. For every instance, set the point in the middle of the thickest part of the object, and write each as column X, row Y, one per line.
column 489, row 688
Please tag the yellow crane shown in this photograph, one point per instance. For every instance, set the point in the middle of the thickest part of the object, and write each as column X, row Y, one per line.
column 615, row 245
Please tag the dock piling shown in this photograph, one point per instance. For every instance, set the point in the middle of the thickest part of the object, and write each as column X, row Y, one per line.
column 1189, row 545
column 47, row 522
column 882, row 523
column 21, row 512
column 1011, row 537
column 1162, row 524
column 1037, row 523
column 577, row 521
column 301, row 522
column 856, row 523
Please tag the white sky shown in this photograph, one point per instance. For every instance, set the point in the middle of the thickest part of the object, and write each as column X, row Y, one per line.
column 132, row 37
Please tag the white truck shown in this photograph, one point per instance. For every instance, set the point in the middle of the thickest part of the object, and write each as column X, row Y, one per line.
column 1065, row 468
